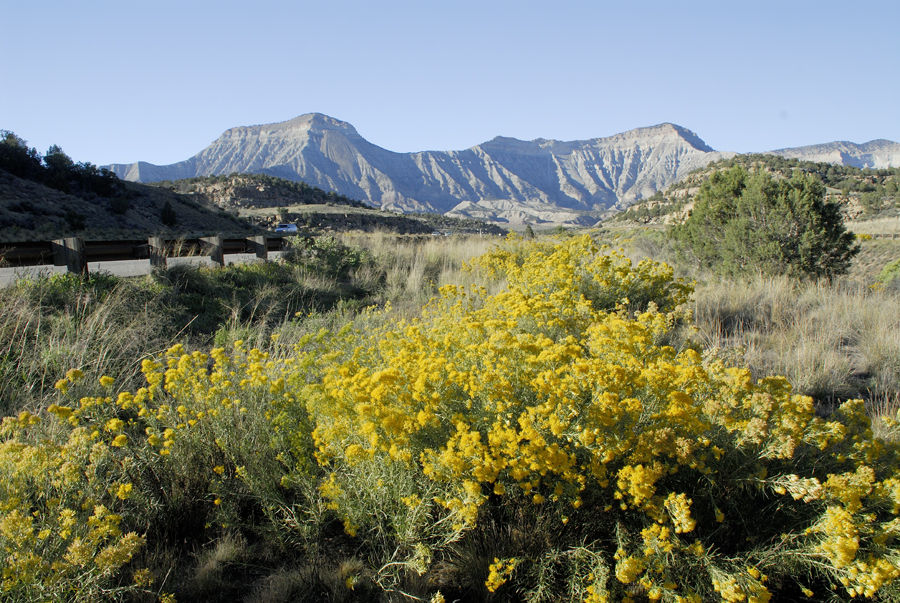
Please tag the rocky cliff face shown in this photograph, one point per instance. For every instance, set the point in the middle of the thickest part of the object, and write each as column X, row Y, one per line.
column 505, row 179
column 876, row 154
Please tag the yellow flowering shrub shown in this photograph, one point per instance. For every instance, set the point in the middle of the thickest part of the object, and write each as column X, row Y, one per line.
column 61, row 499
column 73, row 478
column 567, row 272
column 640, row 468
column 560, row 390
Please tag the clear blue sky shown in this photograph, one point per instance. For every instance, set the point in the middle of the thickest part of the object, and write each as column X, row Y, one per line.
column 158, row 81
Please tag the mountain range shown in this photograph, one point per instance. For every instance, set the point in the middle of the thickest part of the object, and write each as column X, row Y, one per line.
column 876, row 154
column 503, row 180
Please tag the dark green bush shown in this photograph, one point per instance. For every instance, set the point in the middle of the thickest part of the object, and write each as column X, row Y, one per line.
column 748, row 222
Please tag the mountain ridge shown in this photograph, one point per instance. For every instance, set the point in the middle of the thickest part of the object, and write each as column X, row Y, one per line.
column 876, row 154
column 503, row 179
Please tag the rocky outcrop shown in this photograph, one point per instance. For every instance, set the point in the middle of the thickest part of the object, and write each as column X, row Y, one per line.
column 510, row 212
column 505, row 179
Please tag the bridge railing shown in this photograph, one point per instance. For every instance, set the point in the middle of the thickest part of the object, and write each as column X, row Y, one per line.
column 76, row 252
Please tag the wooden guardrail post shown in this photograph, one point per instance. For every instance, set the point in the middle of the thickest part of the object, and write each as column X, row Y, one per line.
column 69, row 252
column 157, row 252
column 261, row 246
column 216, row 252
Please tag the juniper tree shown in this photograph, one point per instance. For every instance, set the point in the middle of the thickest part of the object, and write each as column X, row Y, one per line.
column 756, row 222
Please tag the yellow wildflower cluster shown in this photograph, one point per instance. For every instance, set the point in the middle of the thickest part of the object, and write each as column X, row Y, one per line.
column 570, row 395
column 58, row 529
column 560, row 387
column 499, row 572
column 738, row 587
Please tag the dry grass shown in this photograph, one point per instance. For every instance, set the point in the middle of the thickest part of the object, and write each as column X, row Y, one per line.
column 875, row 226
column 50, row 325
column 414, row 267
column 831, row 341
column 325, row 581
column 213, row 563
column 873, row 257
column 884, row 413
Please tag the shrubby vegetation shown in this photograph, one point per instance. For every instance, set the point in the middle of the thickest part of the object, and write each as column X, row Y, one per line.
column 55, row 169
column 653, row 208
column 874, row 189
column 547, row 428
column 750, row 221
column 832, row 175
column 890, row 274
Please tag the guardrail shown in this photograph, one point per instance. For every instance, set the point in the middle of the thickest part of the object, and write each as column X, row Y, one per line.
column 75, row 252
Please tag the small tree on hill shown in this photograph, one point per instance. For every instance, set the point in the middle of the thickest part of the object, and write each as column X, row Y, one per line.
column 754, row 222
column 167, row 215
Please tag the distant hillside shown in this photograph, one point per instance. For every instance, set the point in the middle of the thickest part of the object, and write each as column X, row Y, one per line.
column 862, row 193
column 875, row 154
column 30, row 211
column 51, row 196
column 238, row 191
column 266, row 200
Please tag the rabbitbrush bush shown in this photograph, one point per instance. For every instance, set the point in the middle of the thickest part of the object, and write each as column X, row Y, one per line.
column 644, row 470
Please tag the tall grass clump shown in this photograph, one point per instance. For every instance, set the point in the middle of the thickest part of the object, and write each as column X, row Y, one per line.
column 100, row 324
column 411, row 269
column 879, row 226
column 833, row 341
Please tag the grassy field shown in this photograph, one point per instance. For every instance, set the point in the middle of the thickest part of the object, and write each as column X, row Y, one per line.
column 385, row 418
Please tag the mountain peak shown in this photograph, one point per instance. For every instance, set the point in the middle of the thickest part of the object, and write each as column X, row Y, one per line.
column 316, row 122
column 697, row 142
column 660, row 131
column 668, row 129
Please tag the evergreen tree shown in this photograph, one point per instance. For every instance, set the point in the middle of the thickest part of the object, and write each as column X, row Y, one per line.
column 17, row 158
column 167, row 215
column 746, row 222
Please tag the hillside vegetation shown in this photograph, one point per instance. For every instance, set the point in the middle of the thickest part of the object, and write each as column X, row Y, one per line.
column 558, row 423
column 861, row 193
column 50, row 196
column 267, row 200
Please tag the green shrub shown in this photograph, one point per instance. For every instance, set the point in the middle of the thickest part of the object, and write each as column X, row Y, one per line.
column 890, row 274
column 754, row 222
column 119, row 205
